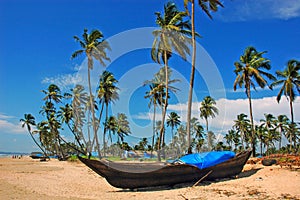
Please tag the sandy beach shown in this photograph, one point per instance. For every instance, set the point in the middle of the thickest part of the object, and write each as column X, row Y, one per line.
column 26, row 178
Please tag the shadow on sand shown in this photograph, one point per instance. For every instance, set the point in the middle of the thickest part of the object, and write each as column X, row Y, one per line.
column 244, row 174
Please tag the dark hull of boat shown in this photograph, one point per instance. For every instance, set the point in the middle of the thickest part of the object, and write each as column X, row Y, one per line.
column 136, row 175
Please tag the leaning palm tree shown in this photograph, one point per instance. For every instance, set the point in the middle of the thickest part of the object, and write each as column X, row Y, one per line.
column 207, row 6
column 107, row 93
column 66, row 114
column 94, row 47
column 171, row 36
column 29, row 121
column 250, row 69
column 173, row 121
column 290, row 80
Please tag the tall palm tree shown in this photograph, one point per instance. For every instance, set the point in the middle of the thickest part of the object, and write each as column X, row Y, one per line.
column 208, row 109
column 107, row 93
column 94, row 47
column 29, row 121
column 171, row 36
column 281, row 121
column 181, row 131
column 290, row 80
column 242, row 124
column 173, row 121
column 250, row 69
column 207, row 6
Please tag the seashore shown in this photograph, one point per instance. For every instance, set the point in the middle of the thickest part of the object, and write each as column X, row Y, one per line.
column 26, row 178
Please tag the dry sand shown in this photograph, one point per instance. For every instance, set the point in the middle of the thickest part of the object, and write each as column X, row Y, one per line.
column 31, row 179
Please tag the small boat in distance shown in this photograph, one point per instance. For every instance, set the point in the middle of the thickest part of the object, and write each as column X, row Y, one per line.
column 143, row 175
column 37, row 155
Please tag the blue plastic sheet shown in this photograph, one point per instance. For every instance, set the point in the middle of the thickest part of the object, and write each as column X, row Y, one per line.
column 207, row 159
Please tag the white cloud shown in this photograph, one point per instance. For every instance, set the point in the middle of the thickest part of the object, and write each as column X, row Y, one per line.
column 259, row 9
column 229, row 109
column 64, row 81
column 79, row 76
column 9, row 124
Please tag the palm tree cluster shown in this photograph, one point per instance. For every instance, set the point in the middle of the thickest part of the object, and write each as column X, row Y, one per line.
column 81, row 111
column 251, row 70
column 75, row 112
column 270, row 132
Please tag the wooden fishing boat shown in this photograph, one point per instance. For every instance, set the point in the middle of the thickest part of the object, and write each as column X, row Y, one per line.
column 143, row 175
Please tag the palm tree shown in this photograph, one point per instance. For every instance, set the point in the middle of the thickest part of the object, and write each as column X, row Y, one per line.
column 181, row 131
column 154, row 95
column 44, row 135
column 208, row 109
column 66, row 116
column 94, row 47
column 199, row 137
column 229, row 137
column 173, row 121
column 172, row 35
column 290, row 81
column 206, row 6
column 210, row 140
column 111, row 126
column 123, row 128
column 107, row 93
column 292, row 132
column 194, row 125
column 269, row 125
column 261, row 134
column 79, row 101
column 281, row 121
column 241, row 124
column 52, row 93
column 29, row 121
column 248, row 71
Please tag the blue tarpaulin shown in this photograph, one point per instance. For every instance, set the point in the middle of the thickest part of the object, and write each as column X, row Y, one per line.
column 207, row 159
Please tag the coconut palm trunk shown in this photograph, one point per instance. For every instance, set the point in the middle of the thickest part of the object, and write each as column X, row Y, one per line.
column 292, row 118
column 164, row 111
column 190, row 96
column 153, row 136
column 253, row 136
column 92, row 106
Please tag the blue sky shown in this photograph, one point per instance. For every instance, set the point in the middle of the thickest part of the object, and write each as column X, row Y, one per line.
column 36, row 41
